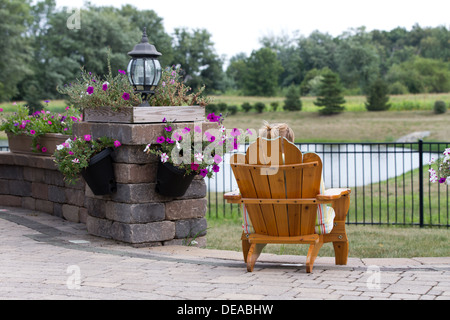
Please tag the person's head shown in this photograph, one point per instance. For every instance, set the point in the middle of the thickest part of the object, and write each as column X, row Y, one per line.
column 271, row 131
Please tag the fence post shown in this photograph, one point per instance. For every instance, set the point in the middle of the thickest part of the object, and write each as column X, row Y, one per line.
column 421, row 189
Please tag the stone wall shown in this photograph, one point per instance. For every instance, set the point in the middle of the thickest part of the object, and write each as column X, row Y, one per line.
column 135, row 214
column 33, row 182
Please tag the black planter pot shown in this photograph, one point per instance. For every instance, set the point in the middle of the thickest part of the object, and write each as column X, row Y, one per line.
column 99, row 175
column 171, row 181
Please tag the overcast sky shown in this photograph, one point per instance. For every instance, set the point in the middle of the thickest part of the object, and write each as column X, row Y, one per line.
column 237, row 25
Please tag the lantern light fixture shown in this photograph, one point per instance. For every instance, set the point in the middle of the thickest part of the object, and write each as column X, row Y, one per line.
column 144, row 69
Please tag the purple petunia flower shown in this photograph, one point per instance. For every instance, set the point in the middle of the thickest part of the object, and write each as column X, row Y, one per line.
column 126, row 96
column 90, row 90
column 160, row 139
column 168, row 129
column 122, row 71
column 194, row 166
column 216, row 168
column 105, row 87
column 442, row 180
column 203, row 172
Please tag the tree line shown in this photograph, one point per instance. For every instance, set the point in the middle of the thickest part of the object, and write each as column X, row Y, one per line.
column 40, row 51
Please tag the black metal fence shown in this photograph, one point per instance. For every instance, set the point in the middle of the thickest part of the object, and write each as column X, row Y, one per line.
column 389, row 182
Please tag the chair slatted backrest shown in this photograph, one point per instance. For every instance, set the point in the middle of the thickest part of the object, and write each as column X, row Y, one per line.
column 265, row 173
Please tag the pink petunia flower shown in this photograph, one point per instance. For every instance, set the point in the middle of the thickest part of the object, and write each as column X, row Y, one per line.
column 32, row 131
column 160, row 139
column 217, row 159
column 185, row 130
column 235, row 132
column 194, row 166
column 87, row 137
column 117, row 143
column 44, row 149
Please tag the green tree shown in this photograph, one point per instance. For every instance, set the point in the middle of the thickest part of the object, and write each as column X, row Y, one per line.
column 421, row 75
column 330, row 98
column 358, row 59
column 377, row 96
column 292, row 101
column 236, row 70
column 261, row 73
column 60, row 52
column 194, row 51
column 287, row 53
column 16, row 49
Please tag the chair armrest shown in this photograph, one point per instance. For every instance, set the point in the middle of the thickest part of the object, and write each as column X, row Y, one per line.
column 233, row 196
column 333, row 194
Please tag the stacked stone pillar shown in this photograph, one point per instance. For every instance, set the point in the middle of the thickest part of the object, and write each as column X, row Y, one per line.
column 136, row 213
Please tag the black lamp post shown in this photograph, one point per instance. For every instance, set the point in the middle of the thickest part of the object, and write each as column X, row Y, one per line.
column 144, row 69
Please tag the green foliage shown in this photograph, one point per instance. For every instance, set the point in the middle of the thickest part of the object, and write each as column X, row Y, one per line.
column 292, row 101
column 246, row 107
column 330, row 97
column 439, row 107
column 261, row 73
column 15, row 50
column 222, row 107
column 93, row 91
column 232, row 109
column 377, row 97
column 211, row 108
column 194, row 51
column 274, row 105
column 172, row 91
column 259, row 107
column 39, row 53
column 421, row 75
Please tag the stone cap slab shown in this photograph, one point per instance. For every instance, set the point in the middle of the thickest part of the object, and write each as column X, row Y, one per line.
column 133, row 134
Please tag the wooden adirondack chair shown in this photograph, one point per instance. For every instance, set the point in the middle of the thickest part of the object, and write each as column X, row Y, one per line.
column 280, row 188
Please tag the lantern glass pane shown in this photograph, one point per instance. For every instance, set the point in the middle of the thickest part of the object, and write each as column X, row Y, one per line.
column 129, row 68
column 137, row 72
column 149, row 72
column 158, row 72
